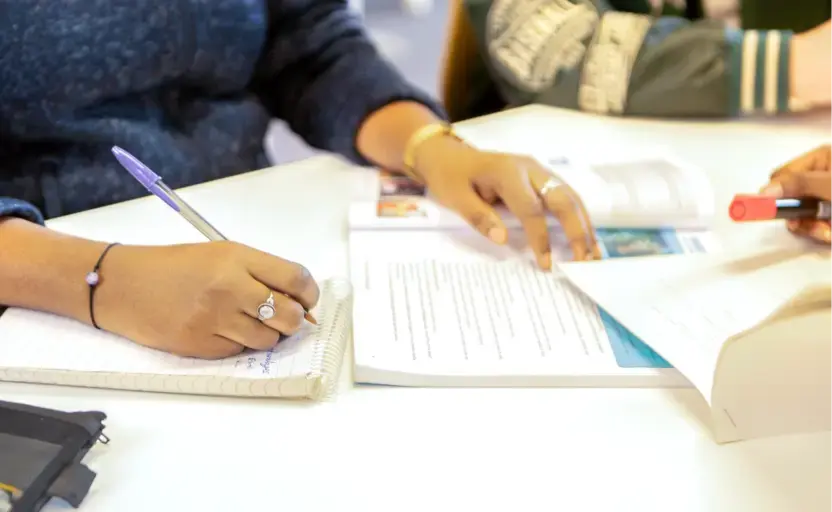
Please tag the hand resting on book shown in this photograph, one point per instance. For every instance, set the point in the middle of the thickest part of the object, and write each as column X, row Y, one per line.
column 470, row 182
column 198, row 300
column 806, row 176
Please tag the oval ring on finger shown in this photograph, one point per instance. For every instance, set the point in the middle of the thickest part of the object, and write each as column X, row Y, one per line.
column 266, row 309
column 278, row 311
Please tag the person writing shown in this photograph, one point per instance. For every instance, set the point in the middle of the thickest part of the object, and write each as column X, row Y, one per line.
column 189, row 88
column 652, row 58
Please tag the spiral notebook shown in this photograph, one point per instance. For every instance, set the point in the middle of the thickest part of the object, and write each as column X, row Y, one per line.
column 42, row 348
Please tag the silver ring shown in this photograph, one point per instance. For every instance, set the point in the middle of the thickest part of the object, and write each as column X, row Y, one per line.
column 266, row 309
column 550, row 185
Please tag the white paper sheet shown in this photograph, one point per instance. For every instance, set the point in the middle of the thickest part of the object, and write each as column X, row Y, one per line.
column 687, row 307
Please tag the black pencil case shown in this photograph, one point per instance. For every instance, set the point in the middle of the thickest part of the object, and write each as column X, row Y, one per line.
column 40, row 455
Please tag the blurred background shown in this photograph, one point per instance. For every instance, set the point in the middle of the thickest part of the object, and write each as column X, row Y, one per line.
column 411, row 34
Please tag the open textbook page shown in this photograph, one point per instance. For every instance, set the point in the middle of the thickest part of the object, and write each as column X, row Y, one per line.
column 689, row 308
column 438, row 304
column 647, row 191
column 654, row 191
column 449, row 308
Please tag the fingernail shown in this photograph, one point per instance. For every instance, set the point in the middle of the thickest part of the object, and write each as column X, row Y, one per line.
column 772, row 190
column 822, row 233
column 545, row 261
column 497, row 235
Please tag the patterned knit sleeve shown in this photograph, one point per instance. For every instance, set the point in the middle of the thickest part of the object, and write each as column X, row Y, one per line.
column 583, row 55
column 321, row 73
column 10, row 207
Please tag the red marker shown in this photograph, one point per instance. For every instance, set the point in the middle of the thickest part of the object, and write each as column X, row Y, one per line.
column 747, row 208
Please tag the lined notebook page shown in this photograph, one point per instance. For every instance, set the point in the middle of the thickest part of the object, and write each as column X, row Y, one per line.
column 30, row 339
column 686, row 308
column 35, row 340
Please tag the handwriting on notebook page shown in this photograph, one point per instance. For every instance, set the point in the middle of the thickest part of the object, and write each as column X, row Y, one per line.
column 275, row 362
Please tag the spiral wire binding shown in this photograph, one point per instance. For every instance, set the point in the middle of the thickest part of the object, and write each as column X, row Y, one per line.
column 332, row 338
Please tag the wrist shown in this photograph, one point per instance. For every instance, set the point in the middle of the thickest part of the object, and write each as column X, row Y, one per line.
column 432, row 152
column 124, row 273
column 384, row 136
column 426, row 144
column 45, row 270
column 808, row 74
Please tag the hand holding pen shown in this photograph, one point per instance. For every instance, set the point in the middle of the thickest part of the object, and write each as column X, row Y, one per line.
column 798, row 192
column 202, row 300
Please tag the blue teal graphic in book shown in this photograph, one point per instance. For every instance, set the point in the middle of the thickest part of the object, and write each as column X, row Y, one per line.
column 631, row 352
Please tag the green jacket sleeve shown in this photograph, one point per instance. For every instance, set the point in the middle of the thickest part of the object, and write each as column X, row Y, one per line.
column 582, row 54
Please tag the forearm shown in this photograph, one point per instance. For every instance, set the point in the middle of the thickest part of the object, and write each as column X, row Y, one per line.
column 44, row 270
column 384, row 134
column 809, row 69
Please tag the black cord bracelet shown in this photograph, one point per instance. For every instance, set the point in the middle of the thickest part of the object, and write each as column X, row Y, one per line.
column 94, row 279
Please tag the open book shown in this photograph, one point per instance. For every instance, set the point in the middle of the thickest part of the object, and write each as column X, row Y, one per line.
column 436, row 304
column 42, row 348
column 752, row 332
column 649, row 192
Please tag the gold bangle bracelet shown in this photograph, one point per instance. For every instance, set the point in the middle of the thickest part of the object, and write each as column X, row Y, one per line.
column 422, row 135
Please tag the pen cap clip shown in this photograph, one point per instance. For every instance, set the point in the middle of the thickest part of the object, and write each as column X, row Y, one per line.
column 750, row 207
column 139, row 171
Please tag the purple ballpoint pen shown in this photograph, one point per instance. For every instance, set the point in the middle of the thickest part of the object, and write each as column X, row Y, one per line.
column 154, row 184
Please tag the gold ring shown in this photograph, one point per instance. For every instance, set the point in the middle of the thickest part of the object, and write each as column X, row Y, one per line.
column 550, row 185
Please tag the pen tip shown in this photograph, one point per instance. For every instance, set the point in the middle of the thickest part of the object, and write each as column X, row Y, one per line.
column 309, row 318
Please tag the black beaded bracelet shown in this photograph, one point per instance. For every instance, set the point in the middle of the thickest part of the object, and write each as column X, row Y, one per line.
column 94, row 279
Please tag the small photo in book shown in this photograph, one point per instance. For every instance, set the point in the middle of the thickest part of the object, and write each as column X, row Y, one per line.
column 400, row 208
column 398, row 186
column 635, row 242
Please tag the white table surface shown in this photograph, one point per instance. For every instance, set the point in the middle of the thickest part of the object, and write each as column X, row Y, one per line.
column 383, row 449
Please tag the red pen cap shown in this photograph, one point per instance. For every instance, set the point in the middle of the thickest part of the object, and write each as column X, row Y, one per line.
column 748, row 207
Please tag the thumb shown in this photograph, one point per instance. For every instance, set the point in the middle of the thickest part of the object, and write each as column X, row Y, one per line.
column 815, row 184
column 477, row 213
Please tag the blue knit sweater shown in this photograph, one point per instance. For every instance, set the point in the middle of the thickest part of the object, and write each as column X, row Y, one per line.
column 188, row 86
